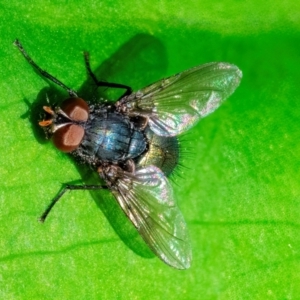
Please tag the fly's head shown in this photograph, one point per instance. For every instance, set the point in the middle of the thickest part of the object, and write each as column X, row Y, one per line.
column 65, row 124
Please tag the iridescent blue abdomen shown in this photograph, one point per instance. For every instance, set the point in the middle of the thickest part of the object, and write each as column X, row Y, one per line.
column 109, row 136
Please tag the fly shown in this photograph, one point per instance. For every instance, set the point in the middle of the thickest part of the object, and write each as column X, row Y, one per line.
column 132, row 145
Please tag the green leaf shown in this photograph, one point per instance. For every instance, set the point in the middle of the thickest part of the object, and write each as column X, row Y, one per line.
column 239, row 193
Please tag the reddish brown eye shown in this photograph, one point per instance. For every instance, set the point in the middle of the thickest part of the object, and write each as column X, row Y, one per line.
column 76, row 109
column 68, row 137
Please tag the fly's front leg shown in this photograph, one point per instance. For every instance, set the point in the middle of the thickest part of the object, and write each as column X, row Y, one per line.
column 45, row 74
column 70, row 188
column 128, row 89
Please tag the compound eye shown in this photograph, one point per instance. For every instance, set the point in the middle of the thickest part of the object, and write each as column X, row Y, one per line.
column 68, row 137
column 76, row 109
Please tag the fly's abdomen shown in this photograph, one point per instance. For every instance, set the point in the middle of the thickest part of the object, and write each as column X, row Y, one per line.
column 163, row 152
column 112, row 137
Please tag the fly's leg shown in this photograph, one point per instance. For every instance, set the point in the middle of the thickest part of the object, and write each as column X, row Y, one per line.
column 45, row 74
column 69, row 188
column 128, row 89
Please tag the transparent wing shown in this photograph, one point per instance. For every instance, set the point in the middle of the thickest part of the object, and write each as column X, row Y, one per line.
column 147, row 199
column 175, row 104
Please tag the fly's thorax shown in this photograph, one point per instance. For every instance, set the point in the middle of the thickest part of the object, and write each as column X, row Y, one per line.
column 112, row 173
column 111, row 136
column 65, row 125
column 124, row 105
column 108, row 172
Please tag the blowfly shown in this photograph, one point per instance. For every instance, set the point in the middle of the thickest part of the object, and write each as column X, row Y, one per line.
column 132, row 145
